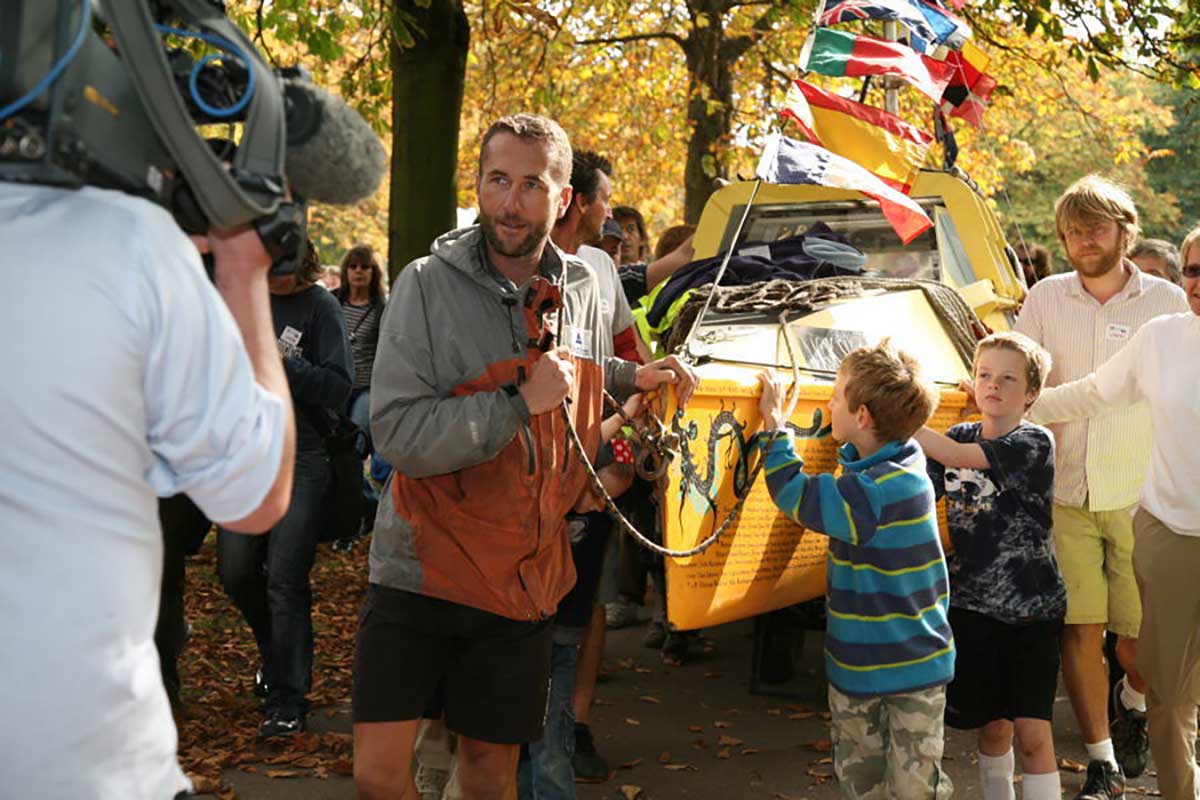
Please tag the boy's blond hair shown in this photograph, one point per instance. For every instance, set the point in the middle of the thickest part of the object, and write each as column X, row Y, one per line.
column 889, row 383
column 1037, row 360
column 1095, row 198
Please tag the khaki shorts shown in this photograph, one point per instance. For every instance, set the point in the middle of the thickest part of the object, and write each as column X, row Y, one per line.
column 1095, row 556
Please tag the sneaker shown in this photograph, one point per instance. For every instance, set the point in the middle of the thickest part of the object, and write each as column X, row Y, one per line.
column 589, row 766
column 344, row 545
column 1129, row 736
column 431, row 783
column 261, row 689
column 281, row 723
column 1103, row 782
column 620, row 614
column 656, row 635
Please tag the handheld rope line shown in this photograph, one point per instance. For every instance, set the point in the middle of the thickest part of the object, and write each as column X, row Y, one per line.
column 628, row 527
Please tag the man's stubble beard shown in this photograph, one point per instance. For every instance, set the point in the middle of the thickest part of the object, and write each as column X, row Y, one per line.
column 527, row 246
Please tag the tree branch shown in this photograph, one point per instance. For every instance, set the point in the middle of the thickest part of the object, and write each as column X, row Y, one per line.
column 635, row 37
column 258, row 33
column 735, row 47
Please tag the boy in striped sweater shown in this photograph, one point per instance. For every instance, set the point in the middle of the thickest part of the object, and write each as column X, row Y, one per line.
column 889, row 652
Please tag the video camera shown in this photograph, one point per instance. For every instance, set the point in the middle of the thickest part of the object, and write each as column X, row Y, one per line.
column 102, row 100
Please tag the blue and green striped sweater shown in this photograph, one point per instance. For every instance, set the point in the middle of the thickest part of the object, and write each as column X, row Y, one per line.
column 888, row 590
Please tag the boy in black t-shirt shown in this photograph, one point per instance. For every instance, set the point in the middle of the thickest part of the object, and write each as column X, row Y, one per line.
column 1007, row 598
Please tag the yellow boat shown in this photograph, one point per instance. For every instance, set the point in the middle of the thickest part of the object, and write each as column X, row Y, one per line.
column 917, row 294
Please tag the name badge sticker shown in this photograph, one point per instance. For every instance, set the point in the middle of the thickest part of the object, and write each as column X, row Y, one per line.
column 579, row 342
column 290, row 336
column 289, row 342
column 1116, row 332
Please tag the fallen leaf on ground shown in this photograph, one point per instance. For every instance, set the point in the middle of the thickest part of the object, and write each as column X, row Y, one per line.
column 774, row 712
column 695, row 728
column 723, row 752
column 664, row 757
column 205, row 784
column 749, row 751
column 649, row 698
column 820, row 745
column 631, row 721
column 631, row 792
column 712, row 674
column 722, row 724
column 724, row 740
column 802, row 715
column 629, row 764
column 643, row 670
column 283, row 773
column 699, row 744
column 625, row 663
column 1071, row 766
column 679, row 767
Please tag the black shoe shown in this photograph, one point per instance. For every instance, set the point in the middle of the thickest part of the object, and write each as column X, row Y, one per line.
column 261, row 689
column 344, row 545
column 589, row 766
column 1103, row 782
column 281, row 723
column 1129, row 736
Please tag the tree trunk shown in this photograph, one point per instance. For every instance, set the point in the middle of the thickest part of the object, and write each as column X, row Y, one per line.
column 709, row 113
column 427, row 94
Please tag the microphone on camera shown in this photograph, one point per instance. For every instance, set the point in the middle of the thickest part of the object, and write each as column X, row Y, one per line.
column 333, row 156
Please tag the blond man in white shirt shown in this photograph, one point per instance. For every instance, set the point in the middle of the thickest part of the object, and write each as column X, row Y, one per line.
column 1159, row 367
column 1083, row 318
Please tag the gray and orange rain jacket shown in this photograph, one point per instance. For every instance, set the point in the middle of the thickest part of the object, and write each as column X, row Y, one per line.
column 474, row 512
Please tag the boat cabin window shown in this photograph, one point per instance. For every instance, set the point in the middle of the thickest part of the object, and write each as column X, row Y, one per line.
column 862, row 223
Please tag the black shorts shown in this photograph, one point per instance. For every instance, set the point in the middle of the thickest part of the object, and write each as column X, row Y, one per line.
column 1001, row 671
column 589, row 539
column 419, row 656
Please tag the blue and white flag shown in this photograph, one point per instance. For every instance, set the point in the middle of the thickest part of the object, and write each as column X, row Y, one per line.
column 787, row 160
column 929, row 22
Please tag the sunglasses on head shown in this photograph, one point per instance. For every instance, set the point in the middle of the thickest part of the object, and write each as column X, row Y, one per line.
column 1191, row 271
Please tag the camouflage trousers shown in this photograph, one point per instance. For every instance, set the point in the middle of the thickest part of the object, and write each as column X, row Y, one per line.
column 890, row 747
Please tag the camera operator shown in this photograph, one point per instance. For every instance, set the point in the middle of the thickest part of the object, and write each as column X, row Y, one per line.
column 125, row 378
column 268, row 577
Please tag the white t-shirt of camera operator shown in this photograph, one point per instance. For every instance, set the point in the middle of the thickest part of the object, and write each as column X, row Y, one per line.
column 124, row 379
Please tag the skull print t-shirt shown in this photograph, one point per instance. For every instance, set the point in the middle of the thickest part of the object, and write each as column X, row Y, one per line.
column 1003, row 563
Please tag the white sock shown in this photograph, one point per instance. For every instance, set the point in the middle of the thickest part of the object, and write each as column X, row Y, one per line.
column 1047, row 786
column 1131, row 698
column 996, row 776
column 1102, row 751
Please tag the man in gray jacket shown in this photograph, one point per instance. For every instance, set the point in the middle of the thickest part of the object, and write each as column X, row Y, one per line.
column 481, row 344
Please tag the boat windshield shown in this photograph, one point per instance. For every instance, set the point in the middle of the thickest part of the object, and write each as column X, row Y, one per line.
column 861, row 222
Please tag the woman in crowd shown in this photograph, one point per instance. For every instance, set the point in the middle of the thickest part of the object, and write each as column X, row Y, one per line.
column 362, row 296
column 635, row 244
column 267, row 576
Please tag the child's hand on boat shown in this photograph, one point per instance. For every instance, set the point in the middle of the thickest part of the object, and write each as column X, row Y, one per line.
column 771, row 402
